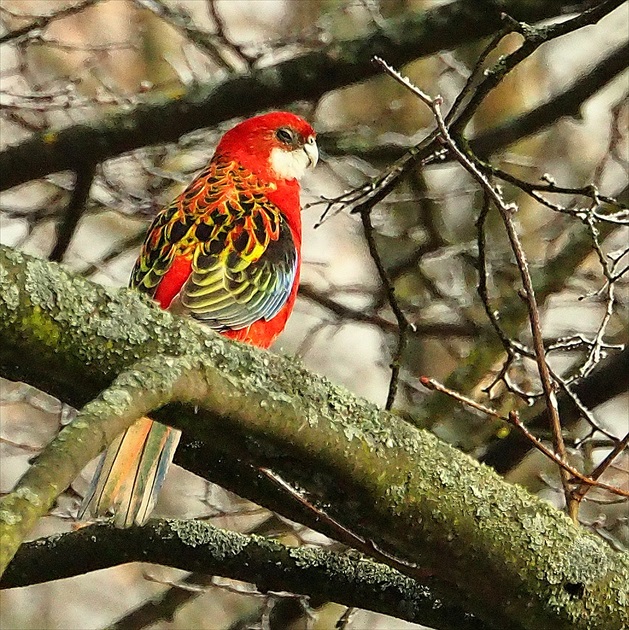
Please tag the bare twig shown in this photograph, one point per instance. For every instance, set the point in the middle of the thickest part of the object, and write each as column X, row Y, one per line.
column 582, row 490
column 608, row 380
column 404, row 326
column 512, row 348
column 221, row 32
column 347, row 313
column 344, row 621
column 181, row 21
column 347, row 536
column 434, row 385
column 595, row 353
column 534, row 37
column 548, row 387
column 516, row 422
column 506, row 212
column 590, row 191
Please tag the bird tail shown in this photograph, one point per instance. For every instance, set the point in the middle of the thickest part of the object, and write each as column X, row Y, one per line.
column 131, row 472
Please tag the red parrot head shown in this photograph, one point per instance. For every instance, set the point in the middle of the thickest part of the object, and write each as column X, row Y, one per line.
column 275, row 146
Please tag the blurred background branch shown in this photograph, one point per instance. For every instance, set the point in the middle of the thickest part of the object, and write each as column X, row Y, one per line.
column 250, row 558
column 306, row 76
column 215, row 389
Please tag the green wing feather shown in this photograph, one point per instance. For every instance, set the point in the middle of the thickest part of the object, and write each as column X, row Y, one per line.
column 244, row 260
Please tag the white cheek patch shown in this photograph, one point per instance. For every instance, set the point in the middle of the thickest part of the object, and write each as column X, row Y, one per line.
column 289, row 164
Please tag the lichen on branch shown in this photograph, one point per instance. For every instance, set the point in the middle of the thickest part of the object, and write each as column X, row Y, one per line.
column 411, row 496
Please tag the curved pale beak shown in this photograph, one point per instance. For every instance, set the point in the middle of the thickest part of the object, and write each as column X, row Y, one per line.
column 312, row 152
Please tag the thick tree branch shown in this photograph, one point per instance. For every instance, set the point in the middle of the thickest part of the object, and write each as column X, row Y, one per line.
column 165, row 605
column 135, row 393
column 608, row 379
column 348, row 579
column 307, row 76
column 400, row 489
column 41, row 22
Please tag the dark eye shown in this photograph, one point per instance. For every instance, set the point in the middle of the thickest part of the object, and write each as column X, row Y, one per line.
column 285, row 135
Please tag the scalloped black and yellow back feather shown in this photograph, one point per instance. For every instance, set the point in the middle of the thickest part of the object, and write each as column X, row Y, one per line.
column 243, row 256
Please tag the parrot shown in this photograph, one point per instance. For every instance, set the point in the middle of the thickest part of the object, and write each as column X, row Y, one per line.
column 227, row 253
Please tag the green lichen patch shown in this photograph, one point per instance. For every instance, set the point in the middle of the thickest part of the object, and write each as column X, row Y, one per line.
column 194, row 533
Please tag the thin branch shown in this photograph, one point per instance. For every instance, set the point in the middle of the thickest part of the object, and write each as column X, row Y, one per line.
column 596, row 348
column 221, row 32
column 534, row 37
column 550, row 186
column 346, row 536
column 513, row 348
column 566, row 103
column 306, row 76
column 609, row 379
column 580, row 492
column 471, row 85
column 181, row 21
column 380, row 188
column 584, row 479
column 514, row 420
column 506, row 212
column 76, row 207
column 347, row 313
column 121, row 248
column 375, row 473
column 538, row 344
column 433, row 385
column 197, row 546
